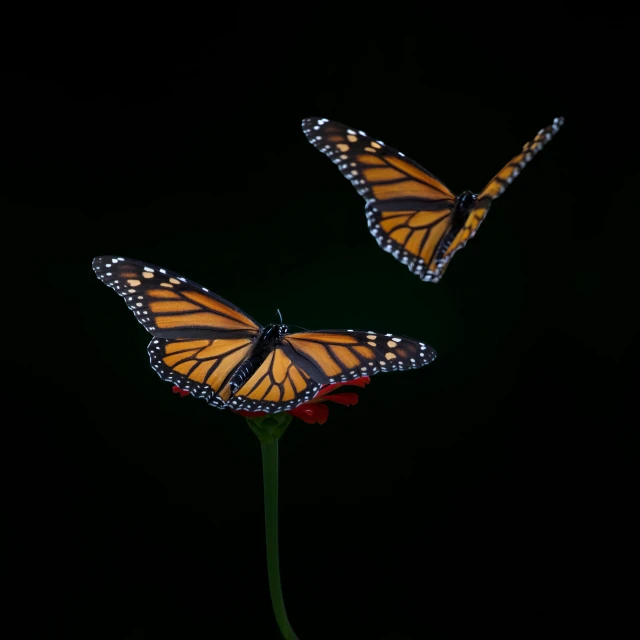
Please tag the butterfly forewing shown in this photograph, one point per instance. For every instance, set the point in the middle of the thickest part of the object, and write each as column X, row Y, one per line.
column 496, row 187
column 512, row 169
column 378, row 172
column 170, row 306
column 338, row 356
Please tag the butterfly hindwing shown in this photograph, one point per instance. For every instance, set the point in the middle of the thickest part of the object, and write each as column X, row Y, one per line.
column 412, row 236
column 201, row 367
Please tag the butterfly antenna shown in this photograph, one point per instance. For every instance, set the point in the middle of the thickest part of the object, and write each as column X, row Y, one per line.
column 297, row 326
column 291, row 325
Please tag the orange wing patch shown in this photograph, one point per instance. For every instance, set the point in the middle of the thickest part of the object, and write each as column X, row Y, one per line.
column 422, row 176
column 197, row 320
column 405, row 189
column 400, row 235
column 382, row 174
column 345, row 356
column 218, row 307
column 370, row 160
column 415, row 241
column 173, row 306
column 332, row 338
column 394, row 220
column 163, row 293
column 319, row 354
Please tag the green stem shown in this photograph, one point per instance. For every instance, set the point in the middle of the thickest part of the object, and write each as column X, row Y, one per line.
column 270, row 476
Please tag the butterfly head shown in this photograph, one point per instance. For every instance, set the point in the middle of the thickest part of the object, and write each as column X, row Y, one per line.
column 466, row 200
column 275, row 332
column 464, row 204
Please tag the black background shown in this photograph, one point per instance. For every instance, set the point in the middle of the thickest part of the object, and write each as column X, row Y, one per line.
column 488, row 492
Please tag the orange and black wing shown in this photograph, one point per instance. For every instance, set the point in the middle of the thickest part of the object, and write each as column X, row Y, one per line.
column 170, row 306
column 304, row 362
column 201, row 367
column 495, row 188
column 199, row 338
column 409, row 211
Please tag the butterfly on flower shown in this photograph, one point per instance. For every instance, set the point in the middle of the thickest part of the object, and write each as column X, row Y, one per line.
column 208, row 347
column 410, row 213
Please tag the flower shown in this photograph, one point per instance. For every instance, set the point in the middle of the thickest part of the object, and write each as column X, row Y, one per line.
column 314, row 410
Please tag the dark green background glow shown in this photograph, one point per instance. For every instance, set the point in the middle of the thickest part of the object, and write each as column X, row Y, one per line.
column 463, row 497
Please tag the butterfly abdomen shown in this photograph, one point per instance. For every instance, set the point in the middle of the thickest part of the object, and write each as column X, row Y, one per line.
column 270, row 337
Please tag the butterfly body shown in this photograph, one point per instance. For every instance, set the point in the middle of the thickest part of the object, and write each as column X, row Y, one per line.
column 205, row 345
column 411, row 213
column 269, row 338
column 460, row 214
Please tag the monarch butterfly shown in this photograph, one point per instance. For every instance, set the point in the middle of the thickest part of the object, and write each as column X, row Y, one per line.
column 209, row 347
column 410, row 213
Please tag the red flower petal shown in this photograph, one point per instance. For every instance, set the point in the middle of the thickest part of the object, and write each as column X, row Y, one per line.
column 177, row 389
column 357, row 382
column 311, row 413
column 346, row 399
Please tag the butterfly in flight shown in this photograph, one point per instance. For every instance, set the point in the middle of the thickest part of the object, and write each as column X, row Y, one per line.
column 209, row 347
column 410, row 213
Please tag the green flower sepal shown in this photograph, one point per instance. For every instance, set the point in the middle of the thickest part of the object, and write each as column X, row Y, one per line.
column 270, row 427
